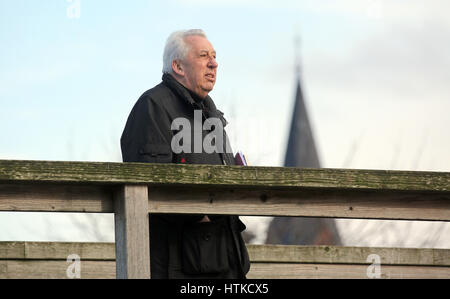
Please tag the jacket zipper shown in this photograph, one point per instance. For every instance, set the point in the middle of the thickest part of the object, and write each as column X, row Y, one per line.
column 224, row 162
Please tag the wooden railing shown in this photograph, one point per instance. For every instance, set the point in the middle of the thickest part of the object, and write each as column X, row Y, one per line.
column 132, row 190
column 36, row 260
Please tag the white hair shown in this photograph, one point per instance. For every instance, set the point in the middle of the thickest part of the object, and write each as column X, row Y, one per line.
column 177, row 48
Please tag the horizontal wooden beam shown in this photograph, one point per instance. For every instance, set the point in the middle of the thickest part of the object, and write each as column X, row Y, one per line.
column 348, row 255
column 306, row 203
column 234, row 190
column 342, row 271
column 258, row 253
column 27, row 197
column 49, row 260
column 208, row 175
column 104, row 251
column 54, row 269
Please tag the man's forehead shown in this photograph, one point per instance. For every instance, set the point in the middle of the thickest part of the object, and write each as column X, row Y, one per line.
column 199, row 43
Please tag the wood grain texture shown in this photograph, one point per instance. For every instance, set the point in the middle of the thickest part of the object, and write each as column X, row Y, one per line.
column 55, row 269
column 257, row 253
column 306, row 202
column 29, row 269
column 208, row 175
column 132, row 232
column 335, row 271
column 348, row 255
column 243, row 201
column 57, row 250
column 56, row 198
column 49, row 260
column 206, row 189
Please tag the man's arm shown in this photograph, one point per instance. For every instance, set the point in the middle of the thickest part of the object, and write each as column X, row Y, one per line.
column 146, row 138
column 147, row 134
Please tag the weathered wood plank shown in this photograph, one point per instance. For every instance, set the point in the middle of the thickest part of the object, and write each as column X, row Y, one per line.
column 49, row 260
column 257, row 253
column 20, row 269
column 348, row 255
column 132, row 232
column 208, row 175
column 55, row 269
column 56, row 198
column 305, row 202
column 338, row 271
column 13, row 250
column 57, row 250
column 308, row 203
column 61, row 250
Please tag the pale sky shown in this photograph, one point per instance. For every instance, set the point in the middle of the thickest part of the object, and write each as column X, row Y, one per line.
column 375, row 76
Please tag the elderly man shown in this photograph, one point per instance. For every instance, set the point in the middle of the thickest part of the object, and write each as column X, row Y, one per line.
column 185, row 246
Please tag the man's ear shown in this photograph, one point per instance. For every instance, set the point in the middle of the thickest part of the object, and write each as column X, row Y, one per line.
column 177, row 68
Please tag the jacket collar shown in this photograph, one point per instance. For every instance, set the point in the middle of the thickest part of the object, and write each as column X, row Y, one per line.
column 207, row 104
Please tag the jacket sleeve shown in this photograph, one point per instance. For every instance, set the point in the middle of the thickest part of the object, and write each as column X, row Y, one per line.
column 146, row 138
column 147, row 134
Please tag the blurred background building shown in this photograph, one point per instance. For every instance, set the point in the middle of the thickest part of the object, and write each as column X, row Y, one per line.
column 301, row 152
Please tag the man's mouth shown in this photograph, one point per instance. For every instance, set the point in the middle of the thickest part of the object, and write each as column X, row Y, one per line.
column 210, row 77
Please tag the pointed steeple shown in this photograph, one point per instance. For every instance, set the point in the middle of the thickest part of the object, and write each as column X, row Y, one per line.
column 301, row 148
column 301, row 152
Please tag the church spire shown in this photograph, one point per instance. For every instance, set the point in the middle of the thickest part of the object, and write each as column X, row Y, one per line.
column 301, row 152
column 301, row 149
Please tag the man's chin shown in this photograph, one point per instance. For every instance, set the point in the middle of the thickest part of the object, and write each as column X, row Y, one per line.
column 208, row 86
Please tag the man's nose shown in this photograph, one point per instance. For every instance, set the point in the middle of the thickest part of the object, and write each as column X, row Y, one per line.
column 213, row 63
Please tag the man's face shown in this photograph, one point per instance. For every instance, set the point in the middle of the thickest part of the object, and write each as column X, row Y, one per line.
column 200, row 66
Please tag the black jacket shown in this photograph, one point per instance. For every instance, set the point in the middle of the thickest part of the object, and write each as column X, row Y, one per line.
column 180, row 247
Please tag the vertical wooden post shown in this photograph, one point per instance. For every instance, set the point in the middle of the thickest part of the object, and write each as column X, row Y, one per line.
column 132, row 232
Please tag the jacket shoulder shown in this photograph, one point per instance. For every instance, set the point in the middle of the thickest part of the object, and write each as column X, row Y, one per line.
column 160, row 95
